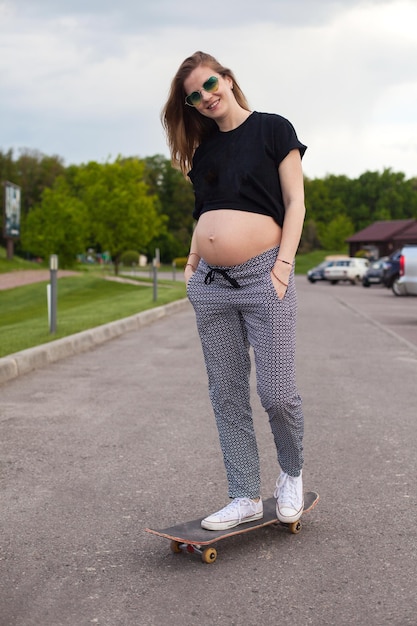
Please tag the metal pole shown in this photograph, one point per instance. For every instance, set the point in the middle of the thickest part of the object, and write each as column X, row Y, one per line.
column 53, row 267
column 155, row 279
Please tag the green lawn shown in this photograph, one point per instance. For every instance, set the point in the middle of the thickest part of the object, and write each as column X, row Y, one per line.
column 84, row 301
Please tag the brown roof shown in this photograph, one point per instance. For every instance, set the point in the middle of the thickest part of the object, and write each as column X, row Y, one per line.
column 383, row 231
column 409, row 234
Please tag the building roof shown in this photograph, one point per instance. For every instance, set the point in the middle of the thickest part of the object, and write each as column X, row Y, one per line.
column 386, row 230
column 409, row 234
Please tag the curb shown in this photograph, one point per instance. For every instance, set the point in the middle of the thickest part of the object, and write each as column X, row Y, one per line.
column 20, row 363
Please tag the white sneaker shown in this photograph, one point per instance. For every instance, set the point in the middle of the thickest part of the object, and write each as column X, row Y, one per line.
column 290, row 499
column 239, row 511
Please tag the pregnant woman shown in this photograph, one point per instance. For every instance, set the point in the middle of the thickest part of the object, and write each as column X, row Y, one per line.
column 245, row 167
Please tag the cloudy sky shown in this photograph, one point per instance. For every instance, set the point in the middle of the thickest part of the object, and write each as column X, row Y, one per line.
column 86, row 79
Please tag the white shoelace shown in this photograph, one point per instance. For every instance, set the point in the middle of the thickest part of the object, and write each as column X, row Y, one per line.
column 286, row 492
column 236, row 506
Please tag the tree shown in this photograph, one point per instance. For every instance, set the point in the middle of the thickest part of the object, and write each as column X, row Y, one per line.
column 57, row 225
column 107, row 205
column 309, row 238
column 122, row 213
column 333, row 236
column 176, row 198
column 36, row 172
column 7, row 167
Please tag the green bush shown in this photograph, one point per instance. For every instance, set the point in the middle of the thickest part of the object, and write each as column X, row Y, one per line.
column 180, row 261
column 129, row 258
column 362, row 254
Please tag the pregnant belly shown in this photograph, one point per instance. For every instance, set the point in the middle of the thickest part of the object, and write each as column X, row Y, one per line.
column 230, row 237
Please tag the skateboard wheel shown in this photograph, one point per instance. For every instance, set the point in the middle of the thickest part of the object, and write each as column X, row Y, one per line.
column 209, row 555
column 175, row 547
column 295, row 527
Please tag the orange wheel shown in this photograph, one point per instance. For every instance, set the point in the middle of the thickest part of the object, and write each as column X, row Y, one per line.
column 209, row 555
column 295, row 527
column 175, row 547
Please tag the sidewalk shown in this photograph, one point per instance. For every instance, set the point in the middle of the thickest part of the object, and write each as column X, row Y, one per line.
column 27, row 277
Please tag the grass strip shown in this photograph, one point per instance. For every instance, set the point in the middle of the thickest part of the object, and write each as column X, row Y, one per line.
column 84, row 301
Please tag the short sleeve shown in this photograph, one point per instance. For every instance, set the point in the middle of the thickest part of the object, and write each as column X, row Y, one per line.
column 285, row 138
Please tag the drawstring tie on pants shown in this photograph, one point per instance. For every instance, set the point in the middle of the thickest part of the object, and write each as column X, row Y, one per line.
column 212, row 272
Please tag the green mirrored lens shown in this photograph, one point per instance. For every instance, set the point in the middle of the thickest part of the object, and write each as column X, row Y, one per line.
column 211, row 84
column 194, row 98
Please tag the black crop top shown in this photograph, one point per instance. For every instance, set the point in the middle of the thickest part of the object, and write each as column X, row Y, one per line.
column 238, row 169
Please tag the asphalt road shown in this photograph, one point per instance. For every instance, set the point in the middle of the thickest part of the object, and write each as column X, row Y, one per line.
column 97, row 446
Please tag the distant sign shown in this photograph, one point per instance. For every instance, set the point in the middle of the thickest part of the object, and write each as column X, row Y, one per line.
column 11, row 228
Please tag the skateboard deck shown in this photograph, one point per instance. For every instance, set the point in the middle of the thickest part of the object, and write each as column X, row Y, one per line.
column 190, row 537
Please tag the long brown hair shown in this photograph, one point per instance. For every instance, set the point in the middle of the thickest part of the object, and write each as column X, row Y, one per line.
column 185, row 127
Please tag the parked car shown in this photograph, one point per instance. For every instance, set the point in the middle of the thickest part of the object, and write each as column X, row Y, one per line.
column 349, row 270
column 407, row 283
column 392, row 269
column 317, row 273
column 374, row 274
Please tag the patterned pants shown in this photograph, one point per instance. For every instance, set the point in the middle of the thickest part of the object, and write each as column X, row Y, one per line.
column 237, row 307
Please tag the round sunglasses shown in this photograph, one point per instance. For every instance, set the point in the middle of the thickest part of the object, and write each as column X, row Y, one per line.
column 211, row 85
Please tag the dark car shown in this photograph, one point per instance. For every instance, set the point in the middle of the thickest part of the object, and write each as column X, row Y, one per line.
column 317, row 273
column 374, row 274
column 392, row 269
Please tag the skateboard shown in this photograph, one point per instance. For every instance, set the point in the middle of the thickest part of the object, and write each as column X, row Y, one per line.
column 190, row 537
